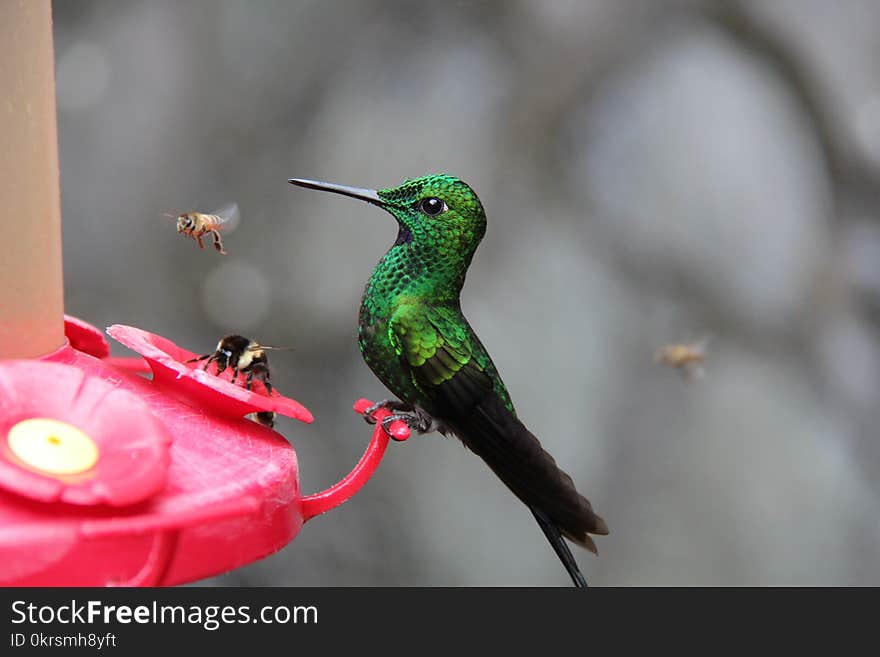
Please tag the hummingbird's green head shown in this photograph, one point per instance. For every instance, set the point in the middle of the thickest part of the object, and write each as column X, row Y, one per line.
column 436, row 212
column 438, row 209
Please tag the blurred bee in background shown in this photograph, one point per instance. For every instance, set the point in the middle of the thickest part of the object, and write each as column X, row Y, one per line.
column 244, row 356
column 687, row 358
column 197, row 225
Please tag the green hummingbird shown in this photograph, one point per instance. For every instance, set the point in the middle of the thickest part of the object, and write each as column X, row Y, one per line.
column 413, row 336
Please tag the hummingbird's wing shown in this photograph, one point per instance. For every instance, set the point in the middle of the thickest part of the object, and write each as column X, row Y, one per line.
column 451, row 368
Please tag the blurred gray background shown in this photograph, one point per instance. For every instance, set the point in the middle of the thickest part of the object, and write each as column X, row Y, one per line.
column 652, row 172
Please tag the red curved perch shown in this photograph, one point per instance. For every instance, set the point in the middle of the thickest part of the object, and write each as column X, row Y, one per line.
column 313, row 505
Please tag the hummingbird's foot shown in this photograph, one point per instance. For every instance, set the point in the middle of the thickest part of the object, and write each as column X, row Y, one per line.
column 415, row 419
column 391, row 404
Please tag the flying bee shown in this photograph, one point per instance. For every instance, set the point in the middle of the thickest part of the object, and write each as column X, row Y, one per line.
column 687, row 358
column 197, row 225
column 243, row 356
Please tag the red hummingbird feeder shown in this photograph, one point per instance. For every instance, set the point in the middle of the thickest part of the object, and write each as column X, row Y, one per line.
column 121, row 471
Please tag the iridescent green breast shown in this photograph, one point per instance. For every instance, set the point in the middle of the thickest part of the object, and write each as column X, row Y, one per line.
column 382, row 295
column 417, row 343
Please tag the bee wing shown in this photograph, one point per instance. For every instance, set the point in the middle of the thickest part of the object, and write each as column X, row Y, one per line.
column 701, row 345
column 229, row 216
column 692, row 372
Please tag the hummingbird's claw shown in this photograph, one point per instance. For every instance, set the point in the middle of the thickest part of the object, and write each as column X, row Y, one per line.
column 398, row 426
column 402, row 418
column 413, row 420
column 390, row 404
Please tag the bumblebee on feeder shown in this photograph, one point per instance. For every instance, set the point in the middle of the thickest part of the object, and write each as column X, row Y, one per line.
column 243, row 356
column 196, row 225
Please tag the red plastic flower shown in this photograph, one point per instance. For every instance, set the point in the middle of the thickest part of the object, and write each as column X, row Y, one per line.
column 77, row 439
column 217, row 393
column 82, row 336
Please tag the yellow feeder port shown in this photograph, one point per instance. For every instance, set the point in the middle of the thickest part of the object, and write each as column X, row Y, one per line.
column 52, row 446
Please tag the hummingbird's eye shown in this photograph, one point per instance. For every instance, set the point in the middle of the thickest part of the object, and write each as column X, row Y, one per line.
column 432, row 206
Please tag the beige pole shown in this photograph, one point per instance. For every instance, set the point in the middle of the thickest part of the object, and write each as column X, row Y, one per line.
column 31, row 285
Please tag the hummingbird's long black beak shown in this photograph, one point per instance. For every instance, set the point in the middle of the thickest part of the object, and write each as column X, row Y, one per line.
column 368, row 195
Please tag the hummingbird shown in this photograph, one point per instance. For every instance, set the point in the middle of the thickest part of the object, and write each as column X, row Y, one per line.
column 414, row 337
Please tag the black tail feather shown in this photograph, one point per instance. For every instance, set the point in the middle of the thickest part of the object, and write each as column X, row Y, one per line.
column 553, row 535
column 516, row 456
